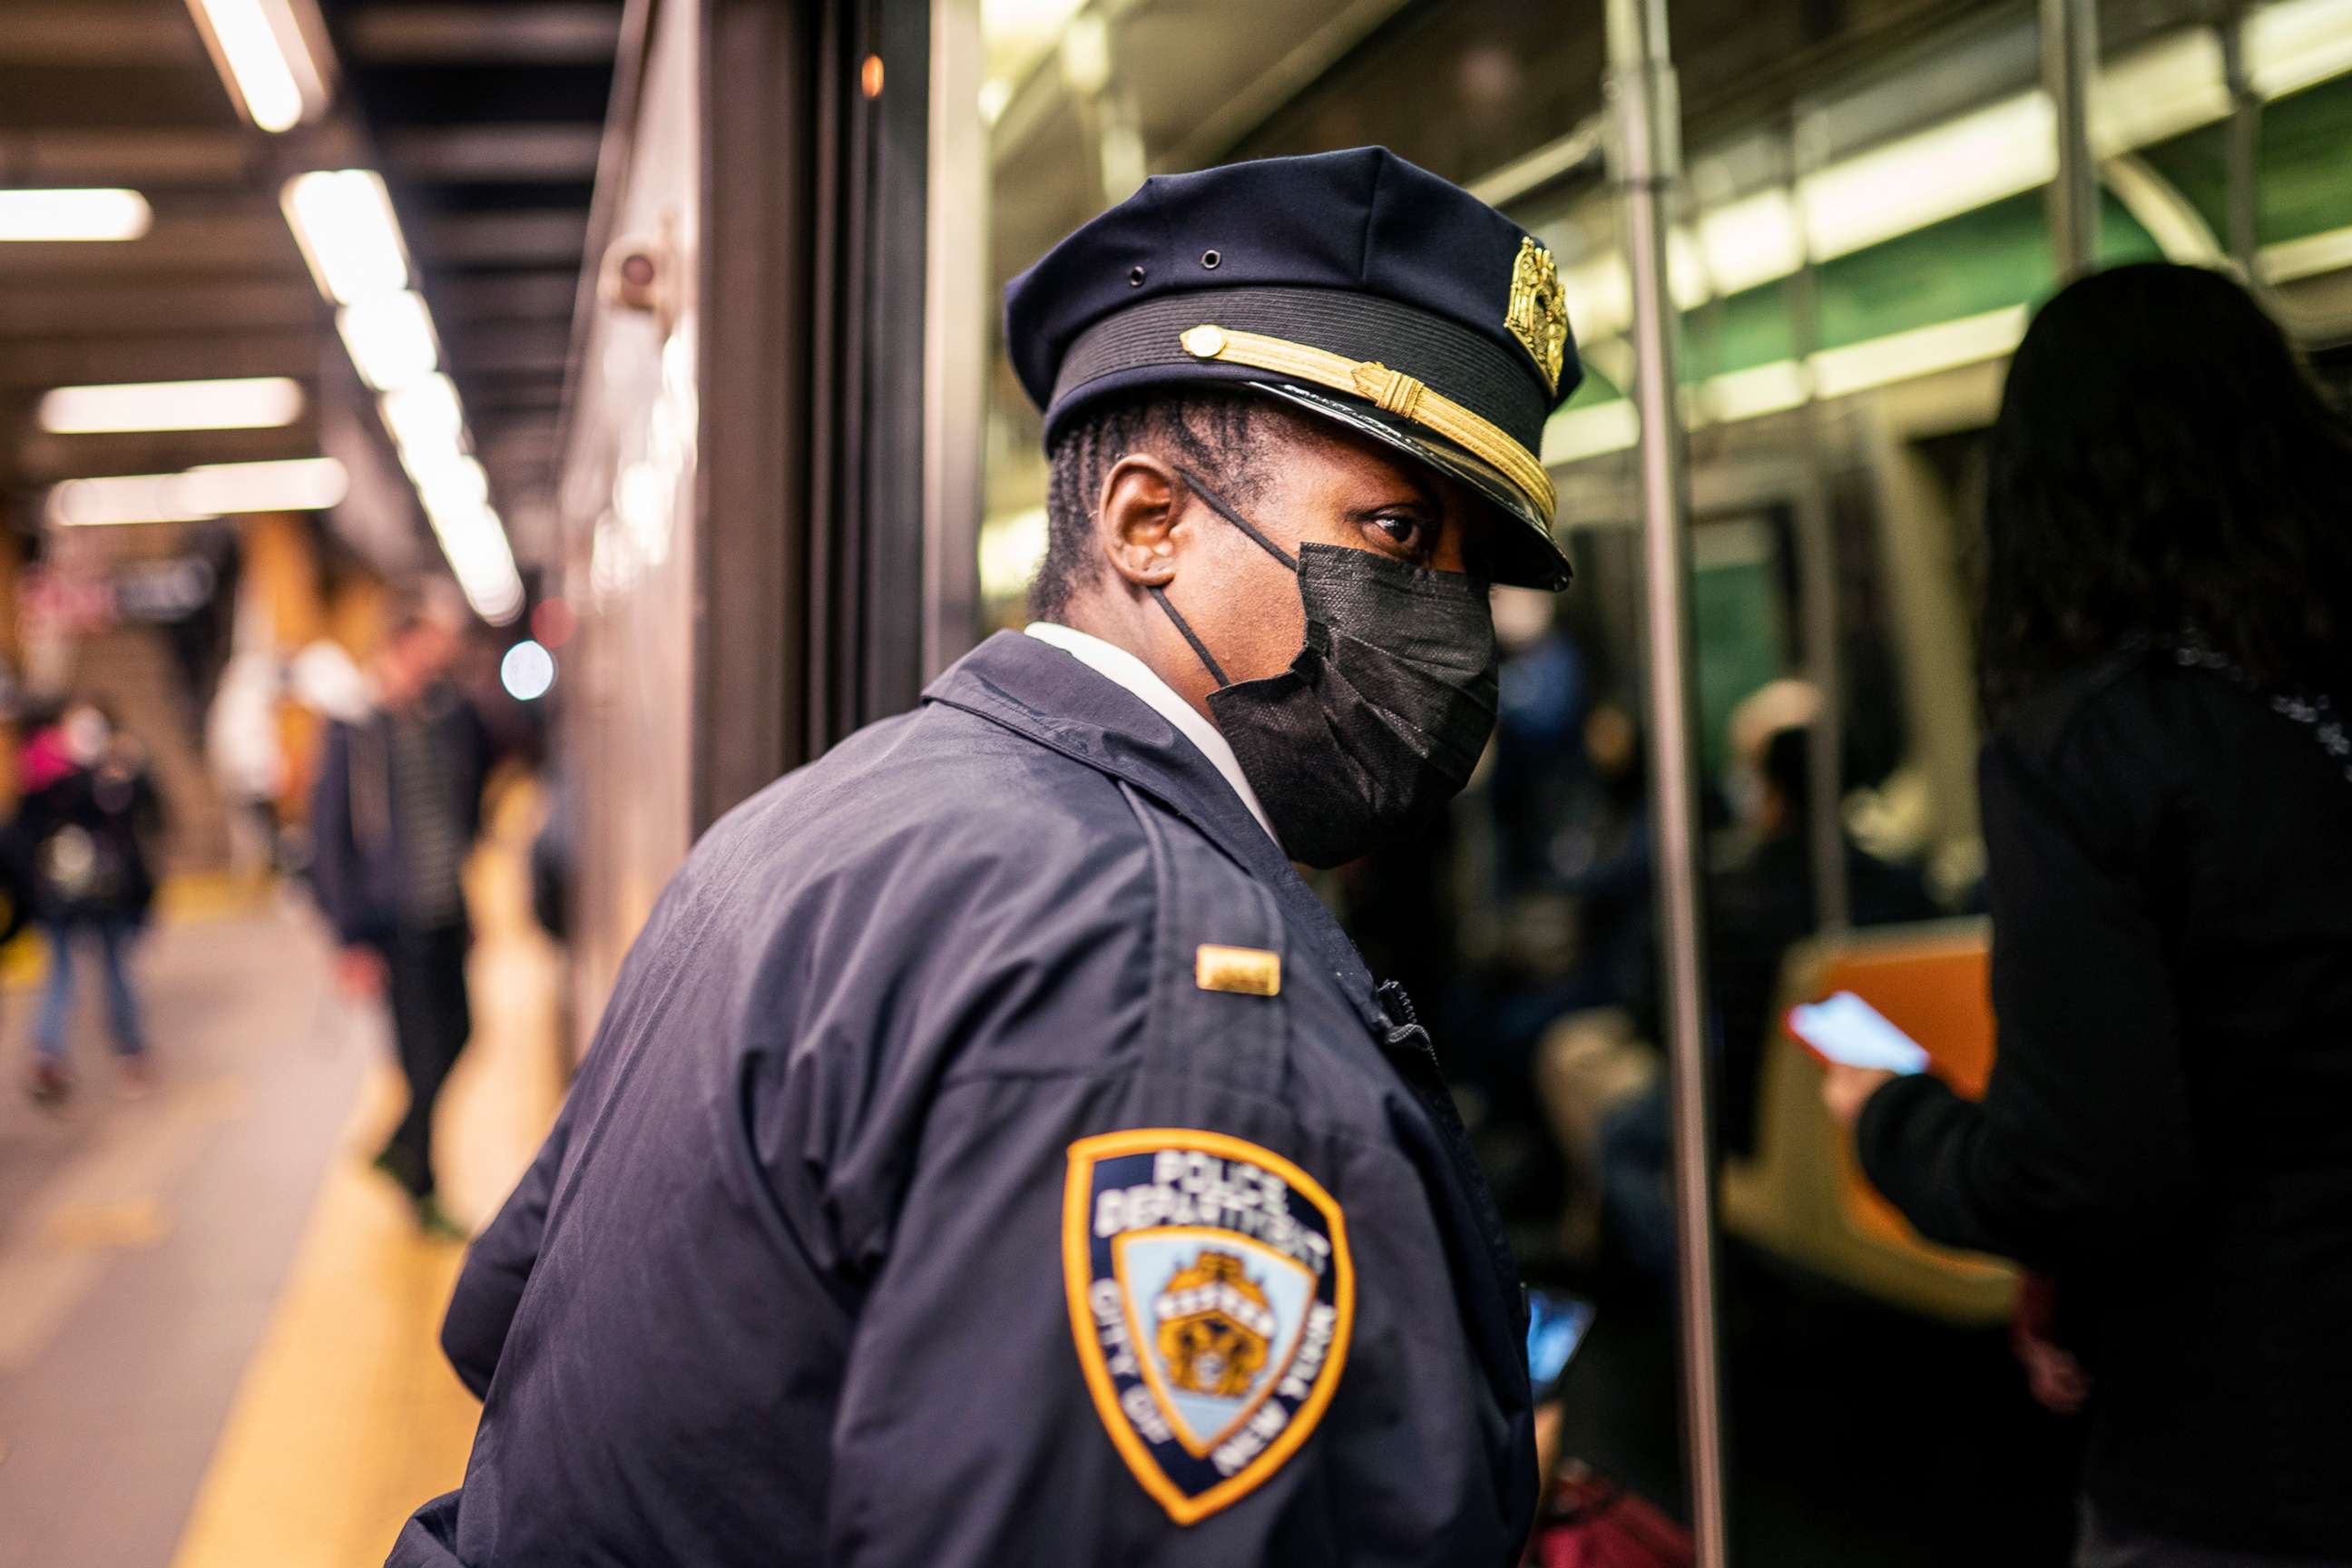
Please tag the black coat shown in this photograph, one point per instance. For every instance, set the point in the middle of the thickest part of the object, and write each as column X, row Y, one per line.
column 359, row 866
column 86, row 837
column 2165, row 1130
column 912, row 1148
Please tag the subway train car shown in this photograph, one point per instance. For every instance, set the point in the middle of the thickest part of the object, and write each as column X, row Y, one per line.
column 821, row 462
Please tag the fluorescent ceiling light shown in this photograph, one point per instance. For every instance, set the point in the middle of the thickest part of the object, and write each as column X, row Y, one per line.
column 343, row 221
column 74, row 215
column 452, row 486
column 475, row 543
column 2297, row 43
column 1900, row 357
column 215, row 490
column 1999, row 150
column 261, row 54
column 1781, row 384
column 1750, row 241
column 425, row 415
column 1761, row 389
column 1958, row 166
column 1587, row 432
column 256, row 403
column 2157, row 92
column 2294, row 258
column 390, row 338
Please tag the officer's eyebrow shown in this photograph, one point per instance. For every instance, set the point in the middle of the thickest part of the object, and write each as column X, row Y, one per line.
column 1423, row 494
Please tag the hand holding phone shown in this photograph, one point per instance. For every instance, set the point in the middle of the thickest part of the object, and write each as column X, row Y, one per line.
column 1847, row 1031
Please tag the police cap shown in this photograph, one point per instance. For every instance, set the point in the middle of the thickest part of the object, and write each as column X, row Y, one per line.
column 1354, row 285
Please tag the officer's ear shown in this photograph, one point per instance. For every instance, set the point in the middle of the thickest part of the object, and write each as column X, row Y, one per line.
column 1141, row 498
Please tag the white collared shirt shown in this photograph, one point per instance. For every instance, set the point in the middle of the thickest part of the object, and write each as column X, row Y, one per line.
column 1115, row 662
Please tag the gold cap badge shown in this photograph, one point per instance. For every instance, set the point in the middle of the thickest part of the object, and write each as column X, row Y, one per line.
column 1251, row 971
column 1538, row 315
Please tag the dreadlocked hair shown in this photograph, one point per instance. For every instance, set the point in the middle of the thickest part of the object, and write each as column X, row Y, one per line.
column 1213, row 432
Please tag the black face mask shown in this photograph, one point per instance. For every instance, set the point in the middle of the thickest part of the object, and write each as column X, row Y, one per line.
column 1380, row 720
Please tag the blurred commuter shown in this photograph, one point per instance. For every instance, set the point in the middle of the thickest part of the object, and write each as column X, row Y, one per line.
column 993, row 1152
column 2167, row 795
column 87, row 830
column 394, row 811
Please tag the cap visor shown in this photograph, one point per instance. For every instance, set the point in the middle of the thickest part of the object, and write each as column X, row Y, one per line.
column 1526, row 555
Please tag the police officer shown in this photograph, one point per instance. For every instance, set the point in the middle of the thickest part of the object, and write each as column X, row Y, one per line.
column 992, row 1154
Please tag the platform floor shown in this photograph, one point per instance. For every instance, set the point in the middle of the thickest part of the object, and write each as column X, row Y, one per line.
column 216, row 1325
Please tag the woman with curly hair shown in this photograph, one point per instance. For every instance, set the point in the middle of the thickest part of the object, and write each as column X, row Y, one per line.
column 2167, row 795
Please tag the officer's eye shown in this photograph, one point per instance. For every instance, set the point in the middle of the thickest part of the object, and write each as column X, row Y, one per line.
column 1403, row 533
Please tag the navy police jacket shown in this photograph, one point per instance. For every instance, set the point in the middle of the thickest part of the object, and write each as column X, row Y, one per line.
column 993, row 1153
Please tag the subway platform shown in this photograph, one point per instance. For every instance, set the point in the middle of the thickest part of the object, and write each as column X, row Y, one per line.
column 218, row 1326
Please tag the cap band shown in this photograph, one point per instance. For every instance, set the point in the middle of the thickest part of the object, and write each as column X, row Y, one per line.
column 1390, row 391
column 1503, row 386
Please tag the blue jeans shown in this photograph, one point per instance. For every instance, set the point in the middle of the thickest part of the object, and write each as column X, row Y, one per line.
column 114, row 937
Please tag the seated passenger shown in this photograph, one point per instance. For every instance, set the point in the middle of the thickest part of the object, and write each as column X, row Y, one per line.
column 2167, row 795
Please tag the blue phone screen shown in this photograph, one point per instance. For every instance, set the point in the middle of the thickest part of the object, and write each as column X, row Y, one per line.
column 1556, row 1327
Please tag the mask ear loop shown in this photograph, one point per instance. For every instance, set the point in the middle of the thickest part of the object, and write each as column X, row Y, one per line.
column 1216, row 503
column 1161, row 596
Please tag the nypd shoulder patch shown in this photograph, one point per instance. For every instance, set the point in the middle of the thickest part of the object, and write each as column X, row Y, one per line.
column 1211, row 1293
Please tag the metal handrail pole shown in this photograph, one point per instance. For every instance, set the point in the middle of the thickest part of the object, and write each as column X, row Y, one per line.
column 2070, row 60
column 1640, row 86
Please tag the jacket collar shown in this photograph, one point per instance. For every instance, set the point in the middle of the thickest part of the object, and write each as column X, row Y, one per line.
column 1040, row 692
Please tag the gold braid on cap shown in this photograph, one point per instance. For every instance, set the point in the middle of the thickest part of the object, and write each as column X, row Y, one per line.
column 1391, row 392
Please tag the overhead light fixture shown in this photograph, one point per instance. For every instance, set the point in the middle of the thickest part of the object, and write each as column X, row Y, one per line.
column 258, row 47
column 343, row 221
column 425, row 415
column 1750, row 241
column 1754, row 391
column 1574, row 433
column 449, row 485
column 1999, row 149
column 96, row 214
column 253, row 403
column 473, row 540
column 2297, row 43
column 215, row 489
column 1966, row 162
column 1922, row 351
column 390, row 339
